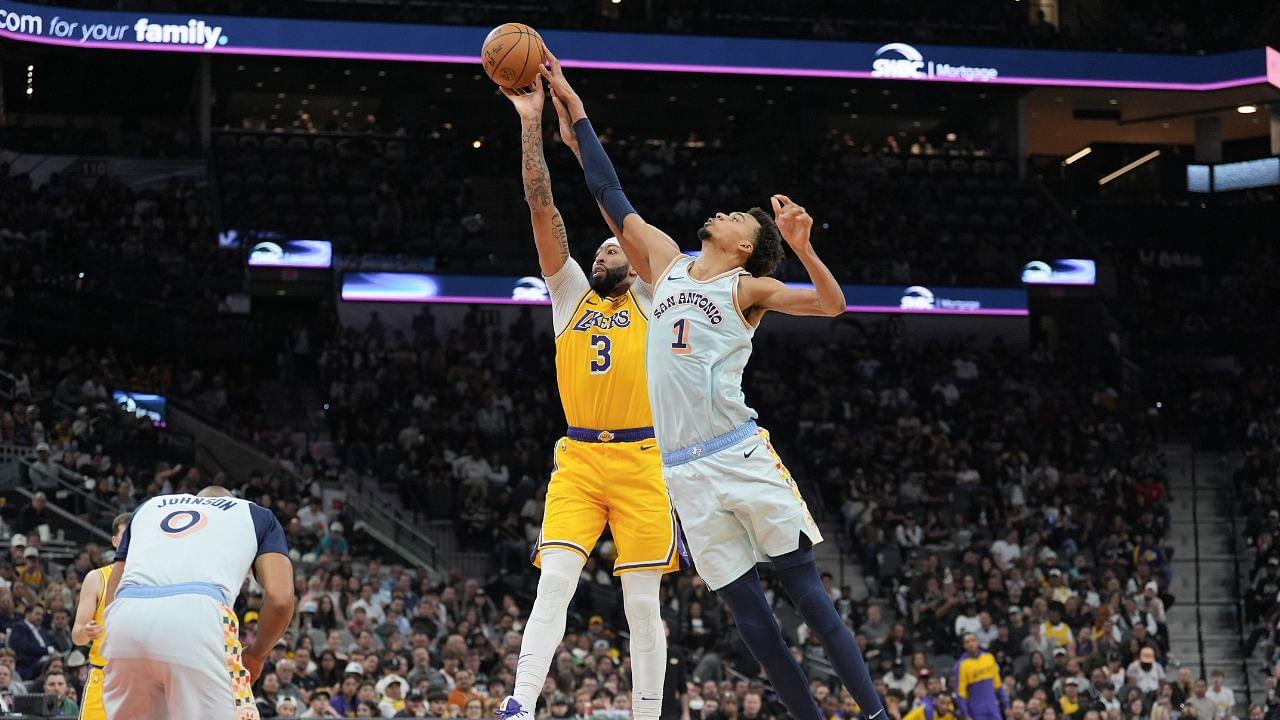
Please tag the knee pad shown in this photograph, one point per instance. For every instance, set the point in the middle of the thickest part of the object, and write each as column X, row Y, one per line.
column 559, row 580
column 640, row 602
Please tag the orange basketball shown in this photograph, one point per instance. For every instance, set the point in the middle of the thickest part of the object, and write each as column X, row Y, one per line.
column 511, row 55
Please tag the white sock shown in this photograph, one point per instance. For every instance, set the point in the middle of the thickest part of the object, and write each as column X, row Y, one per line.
column 545, row 629
column 648, row 642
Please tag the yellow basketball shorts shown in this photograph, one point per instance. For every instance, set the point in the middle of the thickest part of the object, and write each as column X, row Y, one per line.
column 615, row 483
column 91, row 707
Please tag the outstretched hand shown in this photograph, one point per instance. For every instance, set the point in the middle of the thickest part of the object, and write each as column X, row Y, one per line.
column 561, row 89
column 529, row 101
column 793, row 222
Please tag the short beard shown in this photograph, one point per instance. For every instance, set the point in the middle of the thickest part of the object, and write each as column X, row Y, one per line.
column 704, row 233
column 610, row 281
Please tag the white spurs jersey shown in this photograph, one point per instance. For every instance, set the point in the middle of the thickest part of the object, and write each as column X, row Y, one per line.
column 174, row 539
column 699, row 343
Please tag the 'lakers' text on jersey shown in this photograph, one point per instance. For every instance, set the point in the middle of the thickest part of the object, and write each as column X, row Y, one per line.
column 600, row 356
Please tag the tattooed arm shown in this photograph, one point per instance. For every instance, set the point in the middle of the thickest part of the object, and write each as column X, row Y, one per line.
column 548, row 228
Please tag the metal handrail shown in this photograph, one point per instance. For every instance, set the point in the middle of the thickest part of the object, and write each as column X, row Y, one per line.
column 396, row 529
column 75, row 487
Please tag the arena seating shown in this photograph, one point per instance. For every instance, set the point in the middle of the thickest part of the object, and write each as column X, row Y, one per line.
column 949, row 214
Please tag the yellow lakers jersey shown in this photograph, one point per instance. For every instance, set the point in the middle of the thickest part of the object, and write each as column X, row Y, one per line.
column 95, row 648
column 600, row 364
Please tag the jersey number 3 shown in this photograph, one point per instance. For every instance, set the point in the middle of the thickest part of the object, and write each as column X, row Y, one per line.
column 603, row 359
column 681, row 344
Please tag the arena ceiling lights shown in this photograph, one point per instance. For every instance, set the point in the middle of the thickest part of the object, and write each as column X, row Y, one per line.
column 894, row 61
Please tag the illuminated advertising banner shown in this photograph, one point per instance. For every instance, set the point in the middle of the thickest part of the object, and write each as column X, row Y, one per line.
column 1060, row 272
column 1245, row 175
column 291, row 254
column 143, row 405
column 532, row 290
column 630, row 51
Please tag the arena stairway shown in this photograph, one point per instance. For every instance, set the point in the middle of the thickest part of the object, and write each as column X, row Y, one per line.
column 1204, row 621
column 844, row 568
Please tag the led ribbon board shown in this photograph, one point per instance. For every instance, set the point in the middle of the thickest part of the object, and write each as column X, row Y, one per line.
column 1071, row 271
column 888, row 60
column 531, row 290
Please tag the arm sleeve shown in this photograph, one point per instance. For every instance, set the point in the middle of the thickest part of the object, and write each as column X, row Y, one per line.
column 566, row 288
column 601, row 178
column 270, row 533
column 1002, row 695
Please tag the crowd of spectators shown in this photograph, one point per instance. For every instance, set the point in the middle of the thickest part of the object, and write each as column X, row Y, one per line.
column 937, row 210
column 98, row 236
column 965, row 478
column 1184, row 26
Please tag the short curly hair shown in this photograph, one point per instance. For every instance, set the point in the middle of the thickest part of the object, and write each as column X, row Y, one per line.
column 768, row 250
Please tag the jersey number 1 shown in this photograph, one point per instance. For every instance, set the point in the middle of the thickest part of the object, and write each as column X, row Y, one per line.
column 602, row 361
column 681, row 344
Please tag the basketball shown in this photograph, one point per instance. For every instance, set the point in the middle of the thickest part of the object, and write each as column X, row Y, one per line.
column 511, row 55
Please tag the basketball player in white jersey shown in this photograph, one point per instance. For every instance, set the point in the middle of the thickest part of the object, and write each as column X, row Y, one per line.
column 736, row 500
column 173, row 649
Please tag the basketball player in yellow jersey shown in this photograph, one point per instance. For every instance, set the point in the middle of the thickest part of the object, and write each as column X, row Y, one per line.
column 607, row 467
column 88, row 627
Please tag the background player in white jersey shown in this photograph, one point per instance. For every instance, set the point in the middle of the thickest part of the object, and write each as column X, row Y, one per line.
column 736, row 500
column 173, row 647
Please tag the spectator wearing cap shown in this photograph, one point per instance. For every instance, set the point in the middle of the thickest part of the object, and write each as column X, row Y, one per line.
column 1070, row 704
column 17, row 545
column 32, row 573
column 333, row 541
column 415, row 706
column 560, row 706
column 392, row 690
column 287, row 707
column 1145, row 672
column 899, row 679
column 43, row 473
column 319, row 706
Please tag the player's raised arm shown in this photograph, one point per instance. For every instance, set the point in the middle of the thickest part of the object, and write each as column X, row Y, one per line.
column 648, row 249
column 759, row 294
column 549, row 234
column 569, row 138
